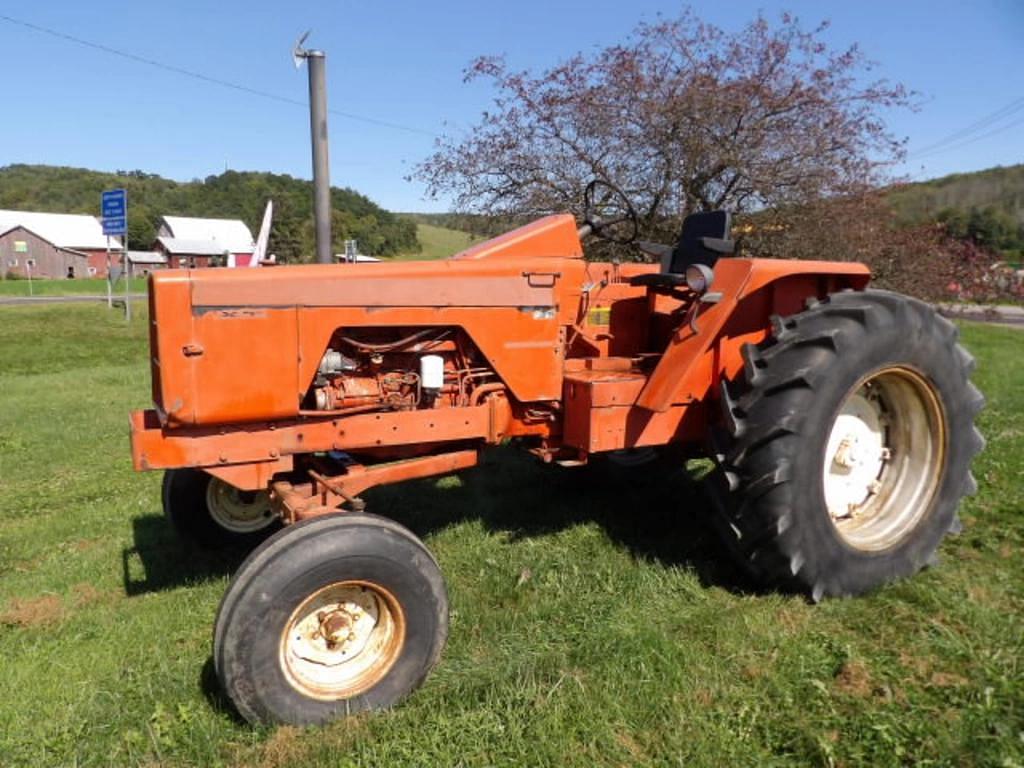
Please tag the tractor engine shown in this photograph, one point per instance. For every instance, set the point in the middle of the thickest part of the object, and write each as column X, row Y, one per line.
column 398, row 369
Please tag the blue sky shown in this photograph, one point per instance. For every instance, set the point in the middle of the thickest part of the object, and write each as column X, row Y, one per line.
column 402, row 62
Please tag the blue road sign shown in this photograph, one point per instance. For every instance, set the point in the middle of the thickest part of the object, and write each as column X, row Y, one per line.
column 114, row 212
column 115, row 226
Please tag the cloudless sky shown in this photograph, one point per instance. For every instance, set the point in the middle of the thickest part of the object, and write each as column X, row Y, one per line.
column 402, row 63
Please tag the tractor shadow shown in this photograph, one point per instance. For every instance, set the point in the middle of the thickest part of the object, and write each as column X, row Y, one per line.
column 214, row 694
column 657, row 513
column 159, row 560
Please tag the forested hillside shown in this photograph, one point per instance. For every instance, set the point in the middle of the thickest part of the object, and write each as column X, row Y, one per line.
column 984, row 206
column 233, row 194
column 476, row 224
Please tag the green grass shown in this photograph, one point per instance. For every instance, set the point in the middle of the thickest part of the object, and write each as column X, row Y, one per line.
column 592, row 624
column 438, row 242
column 66, row 287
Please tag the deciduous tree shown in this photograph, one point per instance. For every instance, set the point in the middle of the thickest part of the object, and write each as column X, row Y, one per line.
column 683, row 116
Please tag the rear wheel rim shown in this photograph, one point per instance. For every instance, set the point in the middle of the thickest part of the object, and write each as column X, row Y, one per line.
column 238, row 511
column 342, row 640
column 884, row 458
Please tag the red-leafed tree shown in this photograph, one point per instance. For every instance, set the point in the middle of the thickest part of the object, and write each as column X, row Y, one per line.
column 683, row 116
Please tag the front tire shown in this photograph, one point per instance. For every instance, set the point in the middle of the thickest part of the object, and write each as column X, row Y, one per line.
column 851, row 439
column 213, row 514
column 331, row 616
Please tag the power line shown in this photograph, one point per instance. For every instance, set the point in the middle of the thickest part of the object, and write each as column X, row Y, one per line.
column 971, row 140
column 206, row 78
column 964, row 133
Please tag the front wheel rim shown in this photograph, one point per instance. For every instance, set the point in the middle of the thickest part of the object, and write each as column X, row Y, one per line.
column 238, row 511
column 884, row 458
column 342, row 640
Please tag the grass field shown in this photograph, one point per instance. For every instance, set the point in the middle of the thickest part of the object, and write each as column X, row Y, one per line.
column 591, row 624
column 438, row 242
column 66, row 287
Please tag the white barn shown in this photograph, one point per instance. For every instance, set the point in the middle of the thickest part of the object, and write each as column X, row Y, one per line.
column 190, row 241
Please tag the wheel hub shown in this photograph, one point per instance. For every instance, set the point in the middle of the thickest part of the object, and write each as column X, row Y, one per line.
column 238, row 511
column 342, row 639
column 336, row 627
column 858, row 452
column 883, row 458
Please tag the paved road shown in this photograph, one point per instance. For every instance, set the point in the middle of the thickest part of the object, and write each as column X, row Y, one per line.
column 70, row 299
column 1007, row 315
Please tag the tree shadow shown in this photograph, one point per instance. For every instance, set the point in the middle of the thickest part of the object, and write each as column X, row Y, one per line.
column 658, row 512
column 160, row 560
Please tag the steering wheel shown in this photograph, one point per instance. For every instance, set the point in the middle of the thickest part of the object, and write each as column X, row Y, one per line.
column 605, row 206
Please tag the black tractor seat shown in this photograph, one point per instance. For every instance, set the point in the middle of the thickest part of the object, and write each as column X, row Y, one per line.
column 705, row 238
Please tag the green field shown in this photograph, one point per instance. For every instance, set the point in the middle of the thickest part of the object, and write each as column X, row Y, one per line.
column 438, row 242
column 592, row 623
column 66, row 287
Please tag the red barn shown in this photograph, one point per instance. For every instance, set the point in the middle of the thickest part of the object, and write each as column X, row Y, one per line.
column 190, row 254
column 48, row 239
column 194, row 242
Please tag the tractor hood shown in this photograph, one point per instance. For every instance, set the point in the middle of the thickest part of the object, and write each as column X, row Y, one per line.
column 243, row 345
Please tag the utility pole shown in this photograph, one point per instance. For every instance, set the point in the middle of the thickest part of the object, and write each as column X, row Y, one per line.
column 317, row 60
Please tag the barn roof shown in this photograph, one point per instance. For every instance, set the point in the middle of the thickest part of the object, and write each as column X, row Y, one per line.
column 146, row 257
column 230, row 234
column 5, row 228
column 182, row 246
column 65, row 230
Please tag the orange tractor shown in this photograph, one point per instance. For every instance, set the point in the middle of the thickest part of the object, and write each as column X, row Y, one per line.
column 840, row 420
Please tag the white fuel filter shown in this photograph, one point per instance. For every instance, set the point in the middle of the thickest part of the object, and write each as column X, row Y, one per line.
column 432, row 371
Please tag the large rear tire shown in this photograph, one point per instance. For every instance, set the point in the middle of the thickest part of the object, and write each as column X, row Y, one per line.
column 850, row 443
column 329, row 617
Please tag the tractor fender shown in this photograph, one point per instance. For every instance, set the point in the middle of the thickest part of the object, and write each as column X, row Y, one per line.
column 751, row 291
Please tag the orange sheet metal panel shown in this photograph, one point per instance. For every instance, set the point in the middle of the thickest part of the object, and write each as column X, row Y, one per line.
column 600, row 414
column 245, row 369
column 612, row 429
column 550, row 236
column 752, row 290
column 170, row 334
column 247, row 345
column 388, row 284
column 616, row 318
column 155, row 447
column 607, row 386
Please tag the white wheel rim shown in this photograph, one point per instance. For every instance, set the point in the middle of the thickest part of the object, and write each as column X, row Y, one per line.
column 342, row 640
column 884, row 458
column 238, row 511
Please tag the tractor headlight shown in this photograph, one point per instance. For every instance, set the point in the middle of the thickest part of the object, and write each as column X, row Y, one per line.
column 699, row 277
